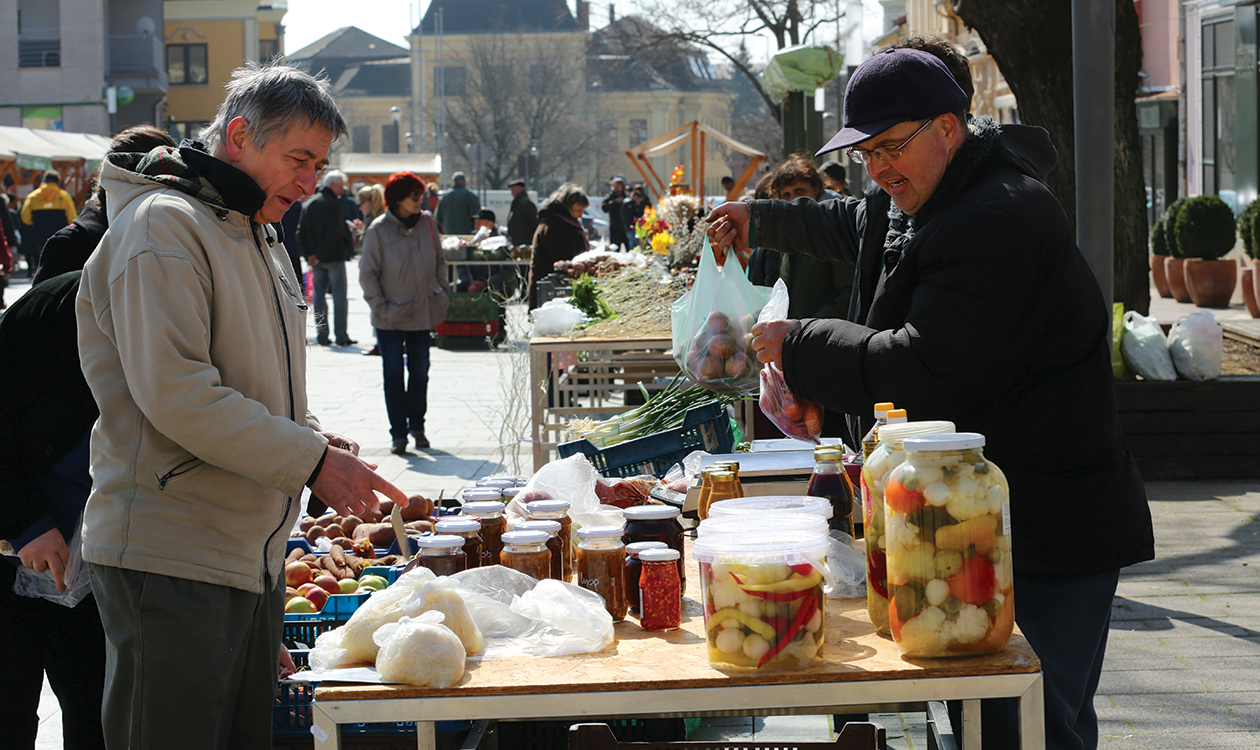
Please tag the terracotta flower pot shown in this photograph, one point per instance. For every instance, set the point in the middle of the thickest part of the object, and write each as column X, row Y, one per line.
column 1249, row 292
column 1158, row 277
column 1174, row 273
column 1211, row 282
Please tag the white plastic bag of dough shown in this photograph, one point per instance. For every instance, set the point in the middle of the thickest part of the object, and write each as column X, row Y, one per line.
column 420, row 651
column 354, row 642
column 441, row 596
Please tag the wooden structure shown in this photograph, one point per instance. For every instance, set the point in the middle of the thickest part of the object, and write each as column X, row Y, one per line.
column 699, row 135
column 375, row 169
column 26, row 153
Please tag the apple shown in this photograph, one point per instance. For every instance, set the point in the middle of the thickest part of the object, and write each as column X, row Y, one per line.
column 329, row 583
column 317, row 597
column 300, row 606
column 376, row 583
column 289, row 593
column 297, row 573
column 305, row 588
column 349, row 586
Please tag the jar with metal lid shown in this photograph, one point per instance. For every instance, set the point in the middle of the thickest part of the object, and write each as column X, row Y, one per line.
column 660, row 592
column 466, row 528
column 554, row 544
column 722, row 486
column 733, row 467
column 601, row 566
column 441, row 553
column 634, row 567
column 526, row 552
column 493, row 524
column 656, row 523
column 947, row 527
column 875, row 470
column 556, row 510
column 830, row 480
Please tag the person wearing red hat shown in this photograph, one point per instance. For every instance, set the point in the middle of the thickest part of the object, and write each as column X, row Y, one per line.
column 403, row 275
column 973, row 304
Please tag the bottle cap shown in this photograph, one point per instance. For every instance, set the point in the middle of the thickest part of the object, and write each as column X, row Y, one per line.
column 895, row 433
column 480, row 494
column 547, row 506
column 532, row 536
column 650, row 512
column 551, row 527
column 484, row 508
column 829, row 453
column 658, row 555
column 439, row 540
column 946, row 441
column 882, row 409
column 634, row 548
column 896, row 415
column 600, row 532
column 457, row 525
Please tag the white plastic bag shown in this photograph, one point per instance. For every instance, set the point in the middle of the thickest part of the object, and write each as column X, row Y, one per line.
column 352, row 643
column 441, row 595
column 1145, row 348
column 556, row 317
column 847, row 565
column 34, row 585
column 1196, row 346
column 420, row 651
column 571, row 479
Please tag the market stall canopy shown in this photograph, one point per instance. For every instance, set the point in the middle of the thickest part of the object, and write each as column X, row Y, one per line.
column 38, row 149
column 376, row 168
column 802, row 68
column 699, row 134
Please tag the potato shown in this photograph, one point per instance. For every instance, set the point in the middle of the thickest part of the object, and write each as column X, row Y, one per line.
column 334, row 530
column 315, row 533
column 419, row 527
column 382, row 535
column 344, row 542
column 326, row 519
column 350, row 523
column 418, row 508
column 306, row 523
column 386, row 508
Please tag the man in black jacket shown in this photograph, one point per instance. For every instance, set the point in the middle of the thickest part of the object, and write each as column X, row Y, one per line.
column 973, row 304
column 324, row 235
column 522, row 216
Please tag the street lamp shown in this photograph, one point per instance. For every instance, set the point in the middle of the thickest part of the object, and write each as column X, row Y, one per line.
column 395, row 114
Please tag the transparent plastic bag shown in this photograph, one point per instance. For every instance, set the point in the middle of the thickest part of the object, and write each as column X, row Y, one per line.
column 556, row 317
column 1145, row 348
column 420, row 651
column 712, row 327
column 1196, row 347
column 571, row 479
column 796, row 417
column 34, row 585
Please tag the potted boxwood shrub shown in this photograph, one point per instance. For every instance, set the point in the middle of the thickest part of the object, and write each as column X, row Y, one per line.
column 1159, row 252
column 1174, row 264
column 1247, row 232
column 1205, row 232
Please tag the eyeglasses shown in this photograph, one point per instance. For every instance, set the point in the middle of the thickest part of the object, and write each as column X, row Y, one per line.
column 884, row 153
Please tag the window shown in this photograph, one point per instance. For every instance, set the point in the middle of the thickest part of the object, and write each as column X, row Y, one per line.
column 268, row 49
column 450, row 80
column 389, row 138
column 638, row 132
column 181, row 129
column 39, row 34
column 608, row 129
column 1219, row 124
column 186, row 64
column 361, row 139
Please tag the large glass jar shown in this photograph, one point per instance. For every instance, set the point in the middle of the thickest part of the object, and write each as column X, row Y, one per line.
column 601, row 565
column 441, row 553
column 493, row 524
column 526, row 552
column 554, row 544
column 466, row 528
column 633, row 569
column 830, row 480
column 875, row 470
column 556, row 510
column 947, row 511
column 656, row 523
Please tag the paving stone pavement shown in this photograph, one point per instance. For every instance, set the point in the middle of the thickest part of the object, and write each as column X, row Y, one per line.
column 1185, row 637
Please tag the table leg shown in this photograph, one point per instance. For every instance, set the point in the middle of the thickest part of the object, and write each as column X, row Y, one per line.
column 971, row 725
column 426, row 735
column 1032, row 717
column 326, row 732
column 538, row 390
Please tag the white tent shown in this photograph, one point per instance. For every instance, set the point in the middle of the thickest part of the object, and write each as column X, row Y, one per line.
column 38, row 149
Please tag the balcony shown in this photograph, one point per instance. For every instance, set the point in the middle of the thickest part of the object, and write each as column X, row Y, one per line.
column 39, row 48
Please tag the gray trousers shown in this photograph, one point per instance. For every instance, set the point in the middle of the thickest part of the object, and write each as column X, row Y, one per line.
column 330, row 278
column 188, row 665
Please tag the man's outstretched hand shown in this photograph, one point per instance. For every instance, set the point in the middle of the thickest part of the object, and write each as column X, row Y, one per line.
column 348, row 484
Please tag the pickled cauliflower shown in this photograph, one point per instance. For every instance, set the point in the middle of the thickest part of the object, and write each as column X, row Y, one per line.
column 899, row 532
column 963, row 505
column 931, row 631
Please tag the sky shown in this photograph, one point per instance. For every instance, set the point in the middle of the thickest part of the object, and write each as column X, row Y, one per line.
column 391, row 20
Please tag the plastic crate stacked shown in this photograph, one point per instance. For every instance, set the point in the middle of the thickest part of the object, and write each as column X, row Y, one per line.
column 706, row 427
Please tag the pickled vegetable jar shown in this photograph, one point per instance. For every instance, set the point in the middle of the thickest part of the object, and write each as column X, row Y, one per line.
column 660, row 590
column 763, row 599
column 887, row 456
column 947, row 530
column 633, row 570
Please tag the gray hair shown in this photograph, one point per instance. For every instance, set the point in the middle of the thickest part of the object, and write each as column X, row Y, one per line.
column 569, row 195
column 272, row 99
column 331, row 176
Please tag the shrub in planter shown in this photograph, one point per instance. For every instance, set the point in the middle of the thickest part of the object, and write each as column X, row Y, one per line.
column 1205, row 231
column 1169, row 219
column 1246, row 227
column 1159, row 251
column 1174, row 264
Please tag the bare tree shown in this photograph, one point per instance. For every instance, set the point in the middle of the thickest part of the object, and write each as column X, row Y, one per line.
column 722, row 26
column 520, row 94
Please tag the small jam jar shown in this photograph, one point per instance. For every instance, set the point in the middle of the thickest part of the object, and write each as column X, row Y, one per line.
column 656, row 523
column 441, row 553
column 509, row 493
column 554, row 545
column 526, row 552
column 660, row 590
column 556, row 510
column 497, row 483
column 601, row 564
column 633, row 567
column 493, row 524
column 466, row 528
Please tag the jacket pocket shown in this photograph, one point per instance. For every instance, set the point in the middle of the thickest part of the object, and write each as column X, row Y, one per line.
column 187, row 466
column 298, row 299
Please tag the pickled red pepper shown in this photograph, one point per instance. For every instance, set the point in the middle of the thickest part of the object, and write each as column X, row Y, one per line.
column 808, row 607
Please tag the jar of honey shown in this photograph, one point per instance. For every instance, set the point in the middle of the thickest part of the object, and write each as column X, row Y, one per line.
column 723, row 486
column 493, row 524
column 554, row 545
column 466, row 528
column 601, row 566
column 526, row 552
column 441, row 553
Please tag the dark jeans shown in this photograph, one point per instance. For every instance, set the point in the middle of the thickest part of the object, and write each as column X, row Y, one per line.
column 188, row 665
column 65, row 643
column 330, row 278
column 405, row 404
column 1066, row 622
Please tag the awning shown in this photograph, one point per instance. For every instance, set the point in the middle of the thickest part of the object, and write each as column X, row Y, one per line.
column 387, row 164
column 38, row 149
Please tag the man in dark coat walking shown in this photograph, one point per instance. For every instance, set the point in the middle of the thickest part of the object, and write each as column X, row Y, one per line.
column 522, row 216
column 325, row 237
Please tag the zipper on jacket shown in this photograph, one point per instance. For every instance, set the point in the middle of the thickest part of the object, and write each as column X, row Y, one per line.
column 288, row 365
column 176, row 471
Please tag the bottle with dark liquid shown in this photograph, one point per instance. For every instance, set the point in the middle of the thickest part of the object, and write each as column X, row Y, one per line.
column 830, row 481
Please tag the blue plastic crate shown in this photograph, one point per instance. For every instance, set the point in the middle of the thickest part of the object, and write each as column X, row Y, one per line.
column 388, row 572
column 306, row 628
column 297, row 542
column 341, row 606
column 706, row 427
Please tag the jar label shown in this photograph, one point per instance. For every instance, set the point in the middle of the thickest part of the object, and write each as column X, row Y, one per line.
column 1006, row 517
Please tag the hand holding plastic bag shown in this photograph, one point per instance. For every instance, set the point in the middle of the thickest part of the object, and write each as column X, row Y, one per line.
column 796, row 417
column 712, row 327
column 78, row 585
